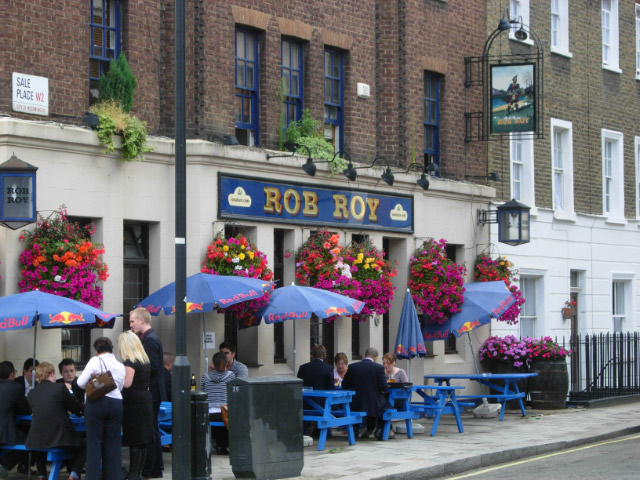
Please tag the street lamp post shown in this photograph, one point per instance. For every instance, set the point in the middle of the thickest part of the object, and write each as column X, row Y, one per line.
column 181, row 447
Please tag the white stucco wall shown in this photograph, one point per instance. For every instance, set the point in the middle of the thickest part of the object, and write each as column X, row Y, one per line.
column 74, row 171
column 602, row 251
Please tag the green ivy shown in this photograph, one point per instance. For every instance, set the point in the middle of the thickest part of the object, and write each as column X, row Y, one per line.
column 308, row 133
column 112, row 119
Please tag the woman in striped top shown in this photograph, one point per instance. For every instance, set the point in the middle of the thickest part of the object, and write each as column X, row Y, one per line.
column 215, row 384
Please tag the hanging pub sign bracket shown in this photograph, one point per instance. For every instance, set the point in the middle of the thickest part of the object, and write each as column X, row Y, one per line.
column 512, row 84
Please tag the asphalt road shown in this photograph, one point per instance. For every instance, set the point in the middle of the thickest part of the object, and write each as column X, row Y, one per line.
column 617, row 459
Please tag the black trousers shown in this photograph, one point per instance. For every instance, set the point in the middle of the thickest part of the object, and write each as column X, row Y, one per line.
column 220, row 434
column 153, row 464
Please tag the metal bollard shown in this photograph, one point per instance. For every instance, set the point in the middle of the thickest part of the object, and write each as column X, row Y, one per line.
column 200, row 437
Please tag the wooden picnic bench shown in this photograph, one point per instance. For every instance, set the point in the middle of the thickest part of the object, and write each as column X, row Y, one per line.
column 508, row 391
column 54, row 455
column 328, row 409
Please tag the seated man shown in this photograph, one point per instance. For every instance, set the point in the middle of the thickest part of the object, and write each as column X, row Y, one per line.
column 26, row 379
column 214, row 383
column 67, row 368
column 368, row 380
column 317, row 374
column 12, row 403
column 238, row 369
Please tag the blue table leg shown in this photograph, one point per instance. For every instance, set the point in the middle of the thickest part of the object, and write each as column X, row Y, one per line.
column 456, row 412
column 387, row 429
column 323, row 438
column 350, row 435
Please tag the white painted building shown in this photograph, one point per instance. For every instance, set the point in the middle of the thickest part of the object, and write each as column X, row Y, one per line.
column 73, row 170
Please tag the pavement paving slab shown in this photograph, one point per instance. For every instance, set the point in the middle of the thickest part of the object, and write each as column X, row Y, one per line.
column 484, row 442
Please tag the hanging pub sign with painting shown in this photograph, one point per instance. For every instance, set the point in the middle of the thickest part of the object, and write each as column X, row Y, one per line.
column 513, row 98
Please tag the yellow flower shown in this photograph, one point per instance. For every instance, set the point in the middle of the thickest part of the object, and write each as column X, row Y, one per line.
column 225, row 248
column 501, row 264
column 251, row 255
column 241, row 256
column 366, row 266
column 242, row 247
column 360, row 256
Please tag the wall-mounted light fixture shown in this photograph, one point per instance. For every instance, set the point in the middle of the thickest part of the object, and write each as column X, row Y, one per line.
column 423, row 181
column 513, row 222
column 351, row 173
column 18, row 197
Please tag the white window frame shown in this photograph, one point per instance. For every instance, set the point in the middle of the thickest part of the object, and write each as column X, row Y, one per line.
column 613, row 170
column 622, row 320
column 637, row 42
column 530, row 322
column 563, row 130
column 527, row 191
column 517, row 9
column 561, row 17
column 611, row 45
column 636, row 146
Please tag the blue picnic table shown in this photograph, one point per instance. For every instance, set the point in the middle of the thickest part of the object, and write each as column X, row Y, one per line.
column 330, row 408
column 442, row 401
column 400, row 400
column 508, row 391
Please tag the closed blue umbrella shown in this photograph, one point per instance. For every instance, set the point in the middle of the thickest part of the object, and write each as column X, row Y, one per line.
column 300, row 303
column 409, row 341
column 206, row 292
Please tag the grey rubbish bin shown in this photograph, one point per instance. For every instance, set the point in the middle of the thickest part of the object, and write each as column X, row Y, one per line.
column 265, row 427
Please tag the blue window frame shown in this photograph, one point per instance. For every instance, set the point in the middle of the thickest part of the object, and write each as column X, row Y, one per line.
column 334, row 98
column 432, row 117
column 247, row 124
column 105, row 26
column 292, row 76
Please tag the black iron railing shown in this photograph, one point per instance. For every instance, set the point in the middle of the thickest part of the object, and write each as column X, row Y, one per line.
column 604, row 365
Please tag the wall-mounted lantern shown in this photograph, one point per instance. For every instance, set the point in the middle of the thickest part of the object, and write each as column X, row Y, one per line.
column 18, row 198
column 513, row 222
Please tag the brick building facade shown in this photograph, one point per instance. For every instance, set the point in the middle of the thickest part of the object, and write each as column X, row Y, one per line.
column 581, row 178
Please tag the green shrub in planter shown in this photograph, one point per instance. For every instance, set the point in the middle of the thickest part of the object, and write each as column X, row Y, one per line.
column 118, row 84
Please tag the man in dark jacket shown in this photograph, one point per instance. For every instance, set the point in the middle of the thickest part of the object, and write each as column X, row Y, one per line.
column 67, row 368
column 317, row 374
column 26, row 379
column 12, row 403
column 368, row 380
column 140, row 323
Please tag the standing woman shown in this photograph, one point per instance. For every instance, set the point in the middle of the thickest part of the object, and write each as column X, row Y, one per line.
column 103, row 417
column 137, row 418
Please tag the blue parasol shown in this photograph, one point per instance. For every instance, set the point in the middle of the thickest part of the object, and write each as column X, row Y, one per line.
column 409, row 341
column 482, row 302
column 206, row 292
column 300, row 303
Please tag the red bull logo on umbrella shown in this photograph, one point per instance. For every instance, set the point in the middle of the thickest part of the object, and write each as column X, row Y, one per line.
column 499, row 310
column 468, row 326
column 191, row 307
column 66, row 318
column 239, row 297
column 153, row 309
column 336, row 311
column 11, row 322
column 273, row 318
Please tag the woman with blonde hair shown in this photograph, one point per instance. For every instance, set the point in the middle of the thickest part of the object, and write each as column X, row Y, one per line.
column 137, row 417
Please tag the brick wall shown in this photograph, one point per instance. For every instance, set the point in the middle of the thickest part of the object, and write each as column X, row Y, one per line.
column 388, row 45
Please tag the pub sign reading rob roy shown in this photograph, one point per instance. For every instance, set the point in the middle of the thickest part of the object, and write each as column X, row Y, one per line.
column 242, row 197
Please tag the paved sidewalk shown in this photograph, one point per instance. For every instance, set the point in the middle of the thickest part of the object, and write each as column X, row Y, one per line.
column 484, row 442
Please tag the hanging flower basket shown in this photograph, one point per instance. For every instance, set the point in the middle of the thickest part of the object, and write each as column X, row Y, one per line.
column 489, row 270
column 360, row 271
column 236, row 256
column 435, row 281
column 59, row 258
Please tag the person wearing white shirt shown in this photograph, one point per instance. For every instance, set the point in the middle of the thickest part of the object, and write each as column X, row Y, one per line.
column 103, row 417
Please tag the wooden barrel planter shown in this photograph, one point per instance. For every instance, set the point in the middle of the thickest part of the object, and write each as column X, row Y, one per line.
column 548, row 391
column 502, row 367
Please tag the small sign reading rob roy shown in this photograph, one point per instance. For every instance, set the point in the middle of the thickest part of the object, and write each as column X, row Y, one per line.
column 242, row 197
